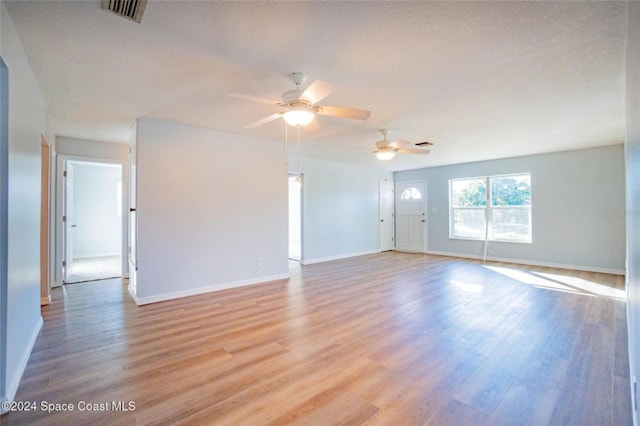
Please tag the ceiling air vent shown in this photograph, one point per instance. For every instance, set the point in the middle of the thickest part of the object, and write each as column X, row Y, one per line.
column 130, row 9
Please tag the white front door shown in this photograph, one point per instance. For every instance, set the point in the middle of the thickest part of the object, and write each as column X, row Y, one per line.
column 411, row 216
column 385, row 195
column 69, row 224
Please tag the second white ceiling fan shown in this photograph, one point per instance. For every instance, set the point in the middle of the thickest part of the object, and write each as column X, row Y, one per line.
column 300, row 107
column 386, row 149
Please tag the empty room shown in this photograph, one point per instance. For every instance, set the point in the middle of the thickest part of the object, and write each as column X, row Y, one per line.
column 283, row 212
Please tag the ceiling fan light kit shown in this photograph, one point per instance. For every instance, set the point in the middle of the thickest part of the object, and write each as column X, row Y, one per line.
column 299, row 115
column 385, row 155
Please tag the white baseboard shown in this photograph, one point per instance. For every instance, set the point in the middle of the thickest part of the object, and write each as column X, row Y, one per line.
column 532, row 263
column 12, row 388
column 409, row 251
column 133, row 294
column 91, row 256
column 341, row 256
column 202, row 290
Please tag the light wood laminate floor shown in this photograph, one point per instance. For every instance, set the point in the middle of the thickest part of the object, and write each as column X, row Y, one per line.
column 385, row 339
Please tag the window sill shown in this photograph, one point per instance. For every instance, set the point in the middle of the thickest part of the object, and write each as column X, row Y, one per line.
column 492, row 240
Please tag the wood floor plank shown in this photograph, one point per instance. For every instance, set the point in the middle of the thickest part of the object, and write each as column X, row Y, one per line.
column 534, row 394
column 390, row 338
column 621, row 401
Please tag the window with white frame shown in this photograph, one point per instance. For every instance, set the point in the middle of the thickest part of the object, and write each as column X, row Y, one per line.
column 497, row 208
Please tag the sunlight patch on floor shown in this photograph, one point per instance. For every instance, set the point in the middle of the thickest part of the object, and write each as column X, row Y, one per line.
column 471, row 288
column 584, row 285
column 558, row 282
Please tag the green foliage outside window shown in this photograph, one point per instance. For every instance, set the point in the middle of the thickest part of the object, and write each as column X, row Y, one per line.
column 469, row 193
column 509, row 191
column 505, row 191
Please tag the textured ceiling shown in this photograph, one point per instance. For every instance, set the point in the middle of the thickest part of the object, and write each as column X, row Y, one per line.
column 481, row 80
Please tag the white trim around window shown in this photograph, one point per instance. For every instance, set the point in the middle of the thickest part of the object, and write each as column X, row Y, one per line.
column 491, row 208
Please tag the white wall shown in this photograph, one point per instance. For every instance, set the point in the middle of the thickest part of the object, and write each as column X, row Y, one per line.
column 209, row 205
column 633, row 195
column 340, row 209
column 577, row 214
column 95, row 213
column 26, row 124
column 92, row 149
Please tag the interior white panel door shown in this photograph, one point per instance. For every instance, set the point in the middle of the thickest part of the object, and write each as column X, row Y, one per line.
column 411, row 216
column 385, row 194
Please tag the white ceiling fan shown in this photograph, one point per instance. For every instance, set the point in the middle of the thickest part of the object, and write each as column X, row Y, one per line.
column 386, row 149
column 300, row 107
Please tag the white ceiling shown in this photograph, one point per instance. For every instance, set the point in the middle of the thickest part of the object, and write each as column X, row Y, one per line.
column 481, row 80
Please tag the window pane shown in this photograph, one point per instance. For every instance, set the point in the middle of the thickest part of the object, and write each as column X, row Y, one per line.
column 511, row 191
column 468, row 223
column 469, row 193
column 411, row 194
column 510, row 224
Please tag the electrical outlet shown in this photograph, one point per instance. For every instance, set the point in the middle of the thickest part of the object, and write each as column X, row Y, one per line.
column 260, row 262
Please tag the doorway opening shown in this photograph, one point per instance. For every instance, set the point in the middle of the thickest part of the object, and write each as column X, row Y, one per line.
column 295, row 217
column 92, row 221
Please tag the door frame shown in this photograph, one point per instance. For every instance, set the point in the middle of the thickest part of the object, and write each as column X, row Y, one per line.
column 45, row 221
column 425, row 248
column 4, row 223
column 301, row 176
column 61, row 159
column 67, row 218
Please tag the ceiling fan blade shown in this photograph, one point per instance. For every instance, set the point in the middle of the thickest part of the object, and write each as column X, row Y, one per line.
column 382, row 144
column 263, row 121
column 344, row 112
column 413, row 150
column 253, row 98
column 317, row 91
column 399, row 143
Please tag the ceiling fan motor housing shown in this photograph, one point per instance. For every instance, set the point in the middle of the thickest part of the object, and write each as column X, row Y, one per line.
column 291, row 95
column 298, row 78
